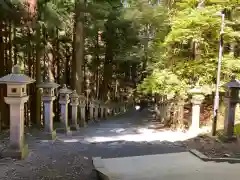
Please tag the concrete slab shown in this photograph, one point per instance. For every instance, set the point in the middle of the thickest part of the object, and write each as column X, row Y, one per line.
column 179, row 166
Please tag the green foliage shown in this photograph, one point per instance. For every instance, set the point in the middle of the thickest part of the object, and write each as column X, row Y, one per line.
column 163, row 82
column 188, row 53
column 237, row 130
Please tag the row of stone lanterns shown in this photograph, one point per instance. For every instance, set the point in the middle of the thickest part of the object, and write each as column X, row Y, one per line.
column 48, row 96
column 16, row 97
column 231, row 99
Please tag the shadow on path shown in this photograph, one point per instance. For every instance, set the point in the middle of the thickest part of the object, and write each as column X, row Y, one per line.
column 69, row 157
column 126, row 135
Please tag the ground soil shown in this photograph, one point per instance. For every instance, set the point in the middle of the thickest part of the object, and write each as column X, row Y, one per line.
column 47, row 161
column 213, row 147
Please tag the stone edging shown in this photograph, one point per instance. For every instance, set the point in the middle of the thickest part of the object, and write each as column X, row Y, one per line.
column 207, row 159
column 100, row 168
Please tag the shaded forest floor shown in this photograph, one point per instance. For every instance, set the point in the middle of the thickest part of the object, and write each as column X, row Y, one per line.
column 70, row 157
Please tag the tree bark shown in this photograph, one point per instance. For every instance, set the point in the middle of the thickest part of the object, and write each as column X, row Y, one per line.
column 78, row 48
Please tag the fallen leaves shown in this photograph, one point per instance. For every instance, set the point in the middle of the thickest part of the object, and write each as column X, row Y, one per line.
column 212, row 147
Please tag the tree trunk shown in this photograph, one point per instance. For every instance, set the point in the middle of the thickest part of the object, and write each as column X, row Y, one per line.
column 38, row 80
column 78, row 48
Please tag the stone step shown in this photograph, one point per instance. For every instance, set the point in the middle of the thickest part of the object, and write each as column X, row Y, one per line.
column 180, row 166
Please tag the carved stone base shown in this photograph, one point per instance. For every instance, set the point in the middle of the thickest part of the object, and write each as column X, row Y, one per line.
column 14, row 153
column 65, row 130
column 74, row 128
column 49, row 135
column 228, row 139
column 83, row 123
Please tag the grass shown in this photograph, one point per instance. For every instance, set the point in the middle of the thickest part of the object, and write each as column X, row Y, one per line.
column 237, row 130
column 222, row 137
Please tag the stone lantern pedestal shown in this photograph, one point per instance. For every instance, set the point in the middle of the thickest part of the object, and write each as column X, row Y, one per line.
column 197, row 99
column 231, row 100
column 96, row 110
column 119, row 109
column 16, row 97
column 64, row 101
column 91, row 111
column 82, row 105
column 48, row 96
column 74, row 104
column 102, row 111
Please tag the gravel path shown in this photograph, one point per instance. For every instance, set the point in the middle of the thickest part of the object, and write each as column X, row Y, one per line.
column 69, row 158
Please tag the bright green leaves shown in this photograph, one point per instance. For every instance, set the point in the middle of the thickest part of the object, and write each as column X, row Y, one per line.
column 194, row 31
column 163, row 82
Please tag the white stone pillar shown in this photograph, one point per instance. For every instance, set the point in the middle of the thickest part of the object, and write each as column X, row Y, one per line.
column 74, row 125
column 196, row 103
column 64, row 117
column 102, row 111
column 83, row 115
column 48, row 117
column 96, row 107
column 122, row 108
column 17, row 147
column 64, row 101
column 91, row 106
column 74, row 107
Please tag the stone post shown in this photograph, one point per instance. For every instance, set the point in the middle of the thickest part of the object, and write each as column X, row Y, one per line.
column 197, row 99
column 229, row 117
column 74, row 104
column 114, row 109
column 231, row 100
column 122, row 108
column 101, row 111
column 91, row 113
column 64, row 101
column 96, row 108
column 48, row 96
column 82, row 106
column 16, row 97
column 105, row 114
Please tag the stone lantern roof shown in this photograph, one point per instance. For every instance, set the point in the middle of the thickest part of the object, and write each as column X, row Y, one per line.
column 196, row 90
column 82, row 97
column 16, row 77
column 65, row 90
column 74, row 94
column 234, row 83
column 48, row 84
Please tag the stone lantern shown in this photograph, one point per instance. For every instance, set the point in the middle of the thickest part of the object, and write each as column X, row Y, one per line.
column 102, row 107
column 82, row 104
column 232, row 97
column 91, row 110
column 16, row 97
column 48, row 96
column 114, row 109
column 197, row 99
column 108, row 108
column 96, row 109
column 74, row 103
column 64, row 100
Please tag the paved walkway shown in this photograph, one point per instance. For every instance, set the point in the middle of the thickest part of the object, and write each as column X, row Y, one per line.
column 122, row 136
column 173, row 166
column 69, row 157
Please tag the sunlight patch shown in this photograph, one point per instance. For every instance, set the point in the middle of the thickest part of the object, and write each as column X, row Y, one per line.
column 117, row 130
column 70, row 140
column 137, row 107
column 148, row 136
